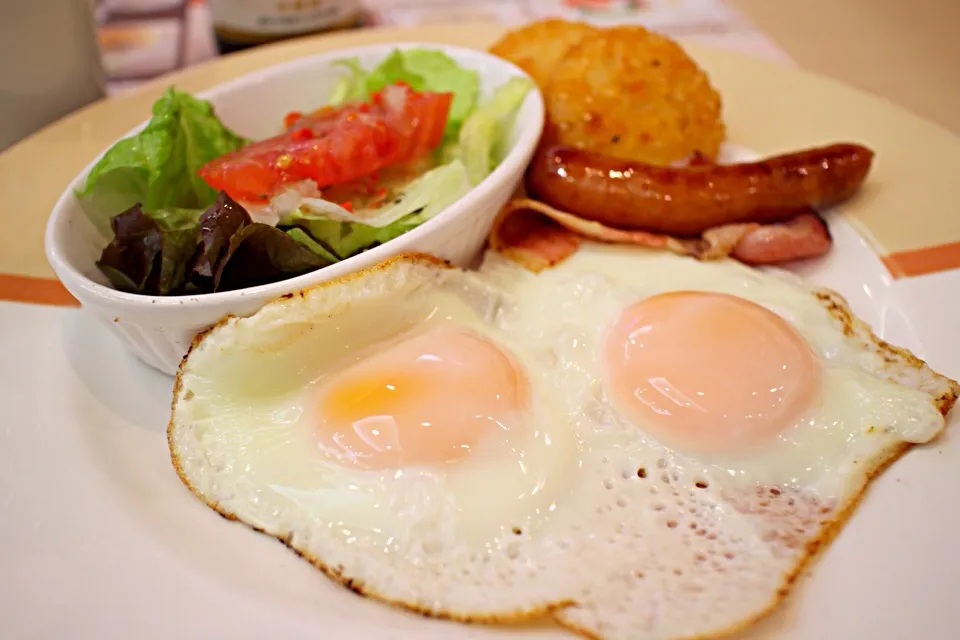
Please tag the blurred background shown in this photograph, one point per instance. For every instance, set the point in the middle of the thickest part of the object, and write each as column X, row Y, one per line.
column 144, row 38
column 60, row 55
column 73, row 52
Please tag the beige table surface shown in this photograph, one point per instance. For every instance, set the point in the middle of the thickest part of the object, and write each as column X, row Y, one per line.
column 906, row 213
column 908, row 52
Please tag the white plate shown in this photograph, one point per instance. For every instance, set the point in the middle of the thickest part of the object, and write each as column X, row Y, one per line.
column 108, row 542
column 99, row 539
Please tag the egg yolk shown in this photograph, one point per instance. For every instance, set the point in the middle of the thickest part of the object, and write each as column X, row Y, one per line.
column 427, row 400
column 708, row 371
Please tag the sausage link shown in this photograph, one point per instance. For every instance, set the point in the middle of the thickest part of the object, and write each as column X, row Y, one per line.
column 686, row 201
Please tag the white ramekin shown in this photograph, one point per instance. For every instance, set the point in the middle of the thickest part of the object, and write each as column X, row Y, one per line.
column 160, row 329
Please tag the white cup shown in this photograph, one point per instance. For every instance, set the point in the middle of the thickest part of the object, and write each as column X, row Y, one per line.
column 50, row 63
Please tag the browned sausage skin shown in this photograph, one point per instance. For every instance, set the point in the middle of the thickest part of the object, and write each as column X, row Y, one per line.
column 687, row 201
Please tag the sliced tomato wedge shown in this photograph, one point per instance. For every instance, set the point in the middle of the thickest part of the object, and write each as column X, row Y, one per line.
column 335, row 144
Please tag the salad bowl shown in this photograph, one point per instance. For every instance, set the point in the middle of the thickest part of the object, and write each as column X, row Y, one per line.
column 160, row 328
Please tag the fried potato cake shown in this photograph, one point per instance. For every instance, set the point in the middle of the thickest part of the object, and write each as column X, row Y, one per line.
column 537, row 47
column 631, row 93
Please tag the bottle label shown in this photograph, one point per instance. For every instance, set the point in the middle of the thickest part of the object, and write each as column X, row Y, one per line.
column 281, row 17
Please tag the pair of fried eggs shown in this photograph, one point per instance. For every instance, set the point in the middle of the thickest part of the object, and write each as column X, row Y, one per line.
column 640, row 444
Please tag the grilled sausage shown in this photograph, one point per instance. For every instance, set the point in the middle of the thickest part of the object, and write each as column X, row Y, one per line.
column 686, row 201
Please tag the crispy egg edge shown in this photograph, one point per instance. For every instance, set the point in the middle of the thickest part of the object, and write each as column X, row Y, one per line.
column 337, row 573
column 833, row 302
column 855, row 329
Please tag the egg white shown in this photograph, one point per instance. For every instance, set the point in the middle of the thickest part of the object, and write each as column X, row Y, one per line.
column 859, row 408
column 624, row 537
column 722, row 535
column 489, row 537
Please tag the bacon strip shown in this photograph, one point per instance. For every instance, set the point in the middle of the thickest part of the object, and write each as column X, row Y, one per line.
column 805, row 236
column 538, row 236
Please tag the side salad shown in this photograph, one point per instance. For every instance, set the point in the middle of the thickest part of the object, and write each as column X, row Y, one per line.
column 193, row 207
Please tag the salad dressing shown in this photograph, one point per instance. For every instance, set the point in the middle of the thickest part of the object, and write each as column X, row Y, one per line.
column 190, row 206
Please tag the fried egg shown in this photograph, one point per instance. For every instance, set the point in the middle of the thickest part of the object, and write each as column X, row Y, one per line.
column 642, row 445
column 386, row 428
column 759, row 407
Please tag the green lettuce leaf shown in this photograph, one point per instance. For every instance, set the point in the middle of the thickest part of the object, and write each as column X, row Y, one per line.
column 157, row 167
column 423, row 70
column 304, row 238
column 441, row 73
column 483, row 135
column 393, row 69
column 175, row 217
column 430, row 193
column 351, row 87
column 421, row 200
column 346, row 239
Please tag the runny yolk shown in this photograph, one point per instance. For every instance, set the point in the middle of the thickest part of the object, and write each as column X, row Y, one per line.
column 708, row 371
column 428, row 400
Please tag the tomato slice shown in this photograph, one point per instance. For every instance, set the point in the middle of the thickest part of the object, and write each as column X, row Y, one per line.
column 335, row 144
